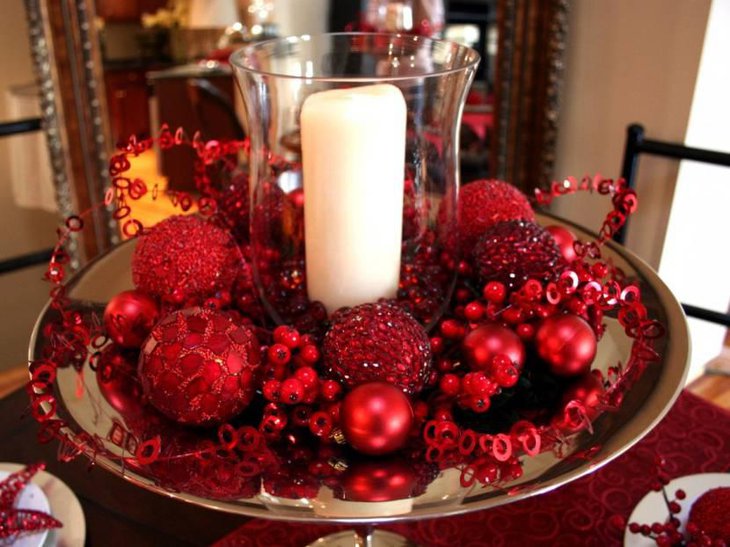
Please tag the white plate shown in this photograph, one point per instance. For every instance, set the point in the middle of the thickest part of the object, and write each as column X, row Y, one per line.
column 64, row 506
column 653, row 509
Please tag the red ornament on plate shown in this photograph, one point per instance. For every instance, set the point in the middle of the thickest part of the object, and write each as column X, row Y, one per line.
column 198, row 366
column 491, row 339
column 129, row 318
column 514, row 251
column 377, row 342
column 565, row 240
column 709, row 516
column 373, row 481
column 484, row 203
column 376, row 418
column 567, row 344
column 185, row 259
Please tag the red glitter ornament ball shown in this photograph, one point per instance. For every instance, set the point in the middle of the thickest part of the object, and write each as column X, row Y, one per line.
column 484, row 203
column 376, row 418
column 514, row 251
column 377, row 342
column 185, row 259
column 198, row 366
column 129, row 318
column 488, row 340
column 567, row 344
column 709, row 515
column 565, row 239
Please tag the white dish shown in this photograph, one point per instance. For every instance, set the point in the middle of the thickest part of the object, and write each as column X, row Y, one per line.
column 60, row 502
column 653, row 509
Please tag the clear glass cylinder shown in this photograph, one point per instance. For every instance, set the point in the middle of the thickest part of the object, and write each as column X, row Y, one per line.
column 354, row 171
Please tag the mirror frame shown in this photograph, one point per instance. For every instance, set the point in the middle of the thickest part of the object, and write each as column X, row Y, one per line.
column 67, row 57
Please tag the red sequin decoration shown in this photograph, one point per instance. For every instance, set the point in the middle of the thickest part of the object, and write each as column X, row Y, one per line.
column 377, row 342
column 198, row 365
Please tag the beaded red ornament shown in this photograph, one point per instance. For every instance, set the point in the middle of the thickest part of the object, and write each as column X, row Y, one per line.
column 514, row 251
column 198, row 366
column 377, row 342
column 185, row 260
column 484, row 203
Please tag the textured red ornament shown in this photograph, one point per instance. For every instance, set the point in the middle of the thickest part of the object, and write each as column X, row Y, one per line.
column 709, row 514
column 15, row 523
column 376, row 418
column 129, row 318
column 377, row 342
column 484, row 203
column 491, row 339
column 567, row 343
column 514, row 251
column 565, row 240
column 198, row 366
column 374, row 481
column 185, row 258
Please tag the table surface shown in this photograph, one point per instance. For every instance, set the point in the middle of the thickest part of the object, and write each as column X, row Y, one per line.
column 693, row 438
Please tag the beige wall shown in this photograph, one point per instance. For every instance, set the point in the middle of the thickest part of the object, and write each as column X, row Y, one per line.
column 628, row 61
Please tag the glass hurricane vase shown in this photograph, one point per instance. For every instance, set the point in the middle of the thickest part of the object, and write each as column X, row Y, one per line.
column 354, row 171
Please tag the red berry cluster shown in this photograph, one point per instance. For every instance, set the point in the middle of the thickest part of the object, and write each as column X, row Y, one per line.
column 292, row 386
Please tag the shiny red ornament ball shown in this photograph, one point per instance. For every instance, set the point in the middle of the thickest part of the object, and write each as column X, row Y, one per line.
column 709, row 515
column 514, row 251
column 116, row 376
column 567, row 344
column 484, row 342
column 380, row 480
column 565, row 239
column 198, row 366
column 376, row 418
column 185, row 260
column 587, row 390
column 377, row 342
column 484, row 203
column 129, row 318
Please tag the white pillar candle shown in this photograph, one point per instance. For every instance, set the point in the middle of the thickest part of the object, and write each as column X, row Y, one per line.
column 353, row 155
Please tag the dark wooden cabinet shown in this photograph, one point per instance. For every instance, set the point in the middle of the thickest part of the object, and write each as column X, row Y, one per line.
column 127, row 99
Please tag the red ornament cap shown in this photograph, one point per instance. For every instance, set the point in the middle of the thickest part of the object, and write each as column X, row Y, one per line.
column 377, row 342
column 198, row 366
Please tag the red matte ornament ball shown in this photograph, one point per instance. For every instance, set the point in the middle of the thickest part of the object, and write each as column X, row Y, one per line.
column 565, row 240
column 567, row 344
column 376, row 418
column 185, row 259
column 129, row 318
column 484, row 342
column 198, row 366
column 377, row 342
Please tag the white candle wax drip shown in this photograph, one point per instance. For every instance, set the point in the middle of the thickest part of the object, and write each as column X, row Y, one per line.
column 353, row 155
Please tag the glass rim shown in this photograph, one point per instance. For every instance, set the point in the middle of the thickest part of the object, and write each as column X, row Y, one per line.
column 237, row 58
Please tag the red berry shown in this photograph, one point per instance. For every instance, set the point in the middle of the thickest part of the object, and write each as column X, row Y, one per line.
column 452, row 329
column 504, row 372
column 309, row 354
column 292, row 391
column 287, row 335
column 634, row 528
column 473, row 311
column 495, row 292
column 479, row 404
column 272, row 390
column 437, row 345
column 278, row 354
column 525, row 331
column 320, row 424
column 307, row 376
column 450, row 384
column 331, row 390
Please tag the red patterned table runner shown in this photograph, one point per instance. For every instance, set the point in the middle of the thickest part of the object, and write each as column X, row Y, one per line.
column 693, row 438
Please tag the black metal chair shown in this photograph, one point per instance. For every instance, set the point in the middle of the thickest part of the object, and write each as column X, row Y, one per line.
column 637, row 144
column 8, row 129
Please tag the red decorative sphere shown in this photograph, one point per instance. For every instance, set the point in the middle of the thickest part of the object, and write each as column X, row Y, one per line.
column 198, row 366
column 129, row 318
column 709, row 516
column 184, row 260
column 380, row 480
column 514, row 251
column 567, row 343
column 377, row 342
column 488, row 340
column 376, row 418
column 116, row 376
column 484, row 203
column 564, row 239
column 589, row 392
